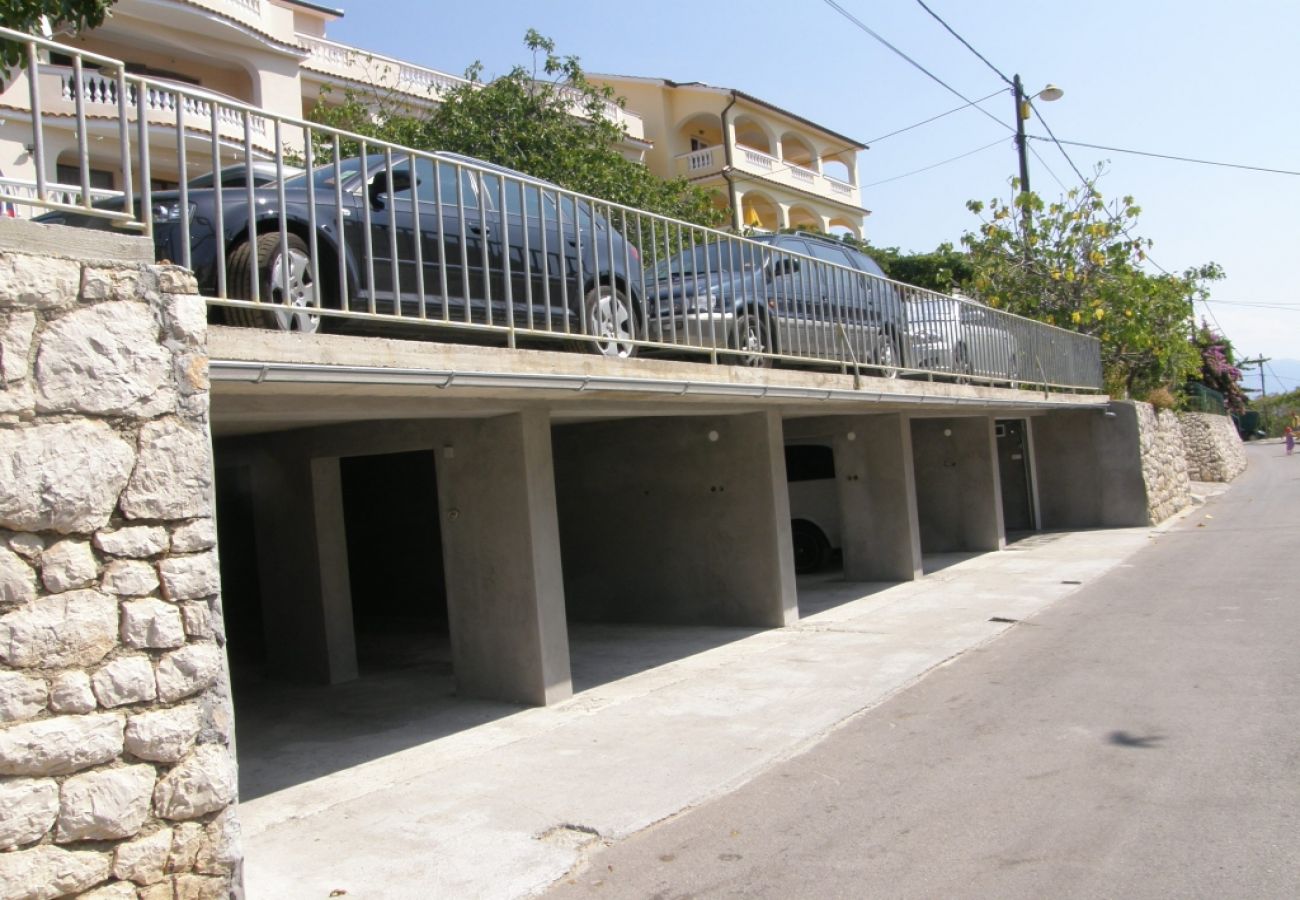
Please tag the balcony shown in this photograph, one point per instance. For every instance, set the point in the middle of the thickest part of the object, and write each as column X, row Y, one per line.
column 710, row 161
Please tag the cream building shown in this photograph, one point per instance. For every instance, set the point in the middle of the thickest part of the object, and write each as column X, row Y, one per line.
column 772, row 168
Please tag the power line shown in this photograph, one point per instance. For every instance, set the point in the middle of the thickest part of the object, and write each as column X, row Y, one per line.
column 933, row 77
column 936, row 165
column 936, row 118
column 1243, row 304
column 964, row 42
column 1038, row 156
column 1082, row 179
column 1186, row 159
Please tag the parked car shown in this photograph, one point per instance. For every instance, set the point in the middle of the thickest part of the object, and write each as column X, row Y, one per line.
column 237, row 175
column 814, row 505
column 482, row 232
column 960, row 337
column 781, row 293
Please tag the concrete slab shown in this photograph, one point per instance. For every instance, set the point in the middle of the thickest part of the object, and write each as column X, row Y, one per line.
column 505, row 808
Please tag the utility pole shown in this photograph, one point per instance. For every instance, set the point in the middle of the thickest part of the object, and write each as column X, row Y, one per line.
column 1258, row 361
column 1022, row 113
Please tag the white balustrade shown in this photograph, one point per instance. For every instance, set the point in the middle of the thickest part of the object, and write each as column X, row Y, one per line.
column 98, row 90
column 758, row 158
column 807, row 176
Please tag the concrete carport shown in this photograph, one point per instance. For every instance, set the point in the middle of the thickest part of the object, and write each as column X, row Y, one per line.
column 647, row 496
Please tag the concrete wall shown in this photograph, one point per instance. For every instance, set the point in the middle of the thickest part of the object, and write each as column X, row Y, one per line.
column 116, row 736
column 959, row 506
column 659, row 523
column 1212, row 447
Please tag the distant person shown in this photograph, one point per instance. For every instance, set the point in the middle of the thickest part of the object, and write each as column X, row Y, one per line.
column 1289, row 436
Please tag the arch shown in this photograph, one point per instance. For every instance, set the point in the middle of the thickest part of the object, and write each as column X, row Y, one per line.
column 754, row 134
column 845, row 225
column 698, row 131
column 841, row 166
column 759, row 212
column 804, row 218
column 796, row 150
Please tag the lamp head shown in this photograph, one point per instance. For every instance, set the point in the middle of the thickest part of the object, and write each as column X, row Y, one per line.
column 1050, row 93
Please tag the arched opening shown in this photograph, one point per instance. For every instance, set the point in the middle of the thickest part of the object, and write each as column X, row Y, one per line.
column 797, row 151
column 838, row 168
column 750, row 133
column 841, row 225
column 700, row 131
column 759, row 213
column 805, row 219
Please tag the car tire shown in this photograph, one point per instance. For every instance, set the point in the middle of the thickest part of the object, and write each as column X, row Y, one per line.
column 610, row 318
column 811, row 549
column 292, row 314
column 753, row 340
column 889, row 358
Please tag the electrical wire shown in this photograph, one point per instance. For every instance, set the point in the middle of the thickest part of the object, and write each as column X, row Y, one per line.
column 965, row 43
column 940, row 116
column 1082, row 178
column 933, row 77
column 1186, row 159
column 936, row 165
column 1038, row 156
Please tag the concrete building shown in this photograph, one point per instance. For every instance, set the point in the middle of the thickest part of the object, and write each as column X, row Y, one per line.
column 770, row 167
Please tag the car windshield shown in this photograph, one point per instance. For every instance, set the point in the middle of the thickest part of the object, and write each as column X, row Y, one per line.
column 325, row 175
column 711, row 259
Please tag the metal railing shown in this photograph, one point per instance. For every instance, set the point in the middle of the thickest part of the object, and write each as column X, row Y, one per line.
column 372, row 236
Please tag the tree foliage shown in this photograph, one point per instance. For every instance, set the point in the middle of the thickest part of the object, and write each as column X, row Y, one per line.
column 1075, row 263
column 526, row 120
column 26, row 15
column 1219, row 370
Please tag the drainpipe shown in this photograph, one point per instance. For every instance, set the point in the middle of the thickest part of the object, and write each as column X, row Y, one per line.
column 732, row 200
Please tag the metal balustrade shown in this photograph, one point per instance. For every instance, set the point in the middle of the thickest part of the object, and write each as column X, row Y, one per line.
column 329, row 229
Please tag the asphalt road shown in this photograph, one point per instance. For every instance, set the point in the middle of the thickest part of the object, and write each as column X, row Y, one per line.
column 1141, row 738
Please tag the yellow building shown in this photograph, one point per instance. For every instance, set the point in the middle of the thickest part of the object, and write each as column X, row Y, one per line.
column 772, row 168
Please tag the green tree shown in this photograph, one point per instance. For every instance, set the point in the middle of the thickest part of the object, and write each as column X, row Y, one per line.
column 1075, row 263
column 26, row 15
column 526, row 120
column 1219, row 370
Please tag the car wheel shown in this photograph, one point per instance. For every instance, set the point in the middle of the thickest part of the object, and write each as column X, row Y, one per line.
column 610, row 318
column 888, row 356
column 292, row 311
column 962, row 367
column 811, row 549
column 753, row 339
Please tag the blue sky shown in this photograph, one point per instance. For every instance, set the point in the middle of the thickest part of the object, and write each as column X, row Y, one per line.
column 1191, row 78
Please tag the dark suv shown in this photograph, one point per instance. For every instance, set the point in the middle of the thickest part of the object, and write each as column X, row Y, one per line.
column 796, row 295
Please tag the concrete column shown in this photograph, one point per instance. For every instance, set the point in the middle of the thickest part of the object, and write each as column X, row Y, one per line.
column 682, row 520
column 880, row 534
column 958, row 497
column 501, row 552
column 1089, row 469
column 303, row 568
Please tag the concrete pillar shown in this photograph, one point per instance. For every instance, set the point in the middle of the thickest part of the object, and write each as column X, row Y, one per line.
column 682, row 520
column 958, row 498
column 303, row 568
column 1088, row 467
column 880, row 534
column 501, row 552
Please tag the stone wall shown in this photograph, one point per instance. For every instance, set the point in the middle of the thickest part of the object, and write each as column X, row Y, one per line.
column 1212, row 446
column 117, row 772
column 1164, row 466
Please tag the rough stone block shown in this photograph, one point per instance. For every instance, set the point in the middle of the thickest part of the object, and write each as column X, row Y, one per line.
column 201, row 534
column 190, row 577
column 62, row 477
column 127, row 679
column 107, row 804
column 16, row 330
column 176, row 280
column 67, row 565
column 163, row 735
column 77, row 628
column 188, row 671
column 204, row 783
column 71, row 693
column 17, row 579
column 144, row 859
column 130, row 578
column 134, row 541
column 99, row 284
column 173, row 477
column 200, row 887
column 198, row 619
column 104, row 360
column 27, row 810
column 221, row 851
column 62, row 745
column 38, row 282
column 21, row 696
column 46, row 872
column 28, row 546
column 116, row 890
column 152, row 623
column 187, row 839
column 187, row 314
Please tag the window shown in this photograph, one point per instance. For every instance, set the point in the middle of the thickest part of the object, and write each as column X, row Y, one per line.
column 809, row 462
column 71, row 175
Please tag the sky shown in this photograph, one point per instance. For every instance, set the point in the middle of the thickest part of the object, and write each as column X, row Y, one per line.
column 1189, row 78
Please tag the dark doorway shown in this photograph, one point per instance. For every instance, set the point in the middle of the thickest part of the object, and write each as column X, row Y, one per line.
column 241, row 589
column 399, row 593
column 1014, row 472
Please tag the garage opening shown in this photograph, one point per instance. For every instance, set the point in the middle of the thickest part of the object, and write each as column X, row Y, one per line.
column 1016, row 477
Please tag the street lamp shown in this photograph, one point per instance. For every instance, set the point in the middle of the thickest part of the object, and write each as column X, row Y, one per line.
column 1048, row 94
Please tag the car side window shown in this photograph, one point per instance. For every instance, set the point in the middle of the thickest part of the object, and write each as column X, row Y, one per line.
column 450, row 175
column 832, row 254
